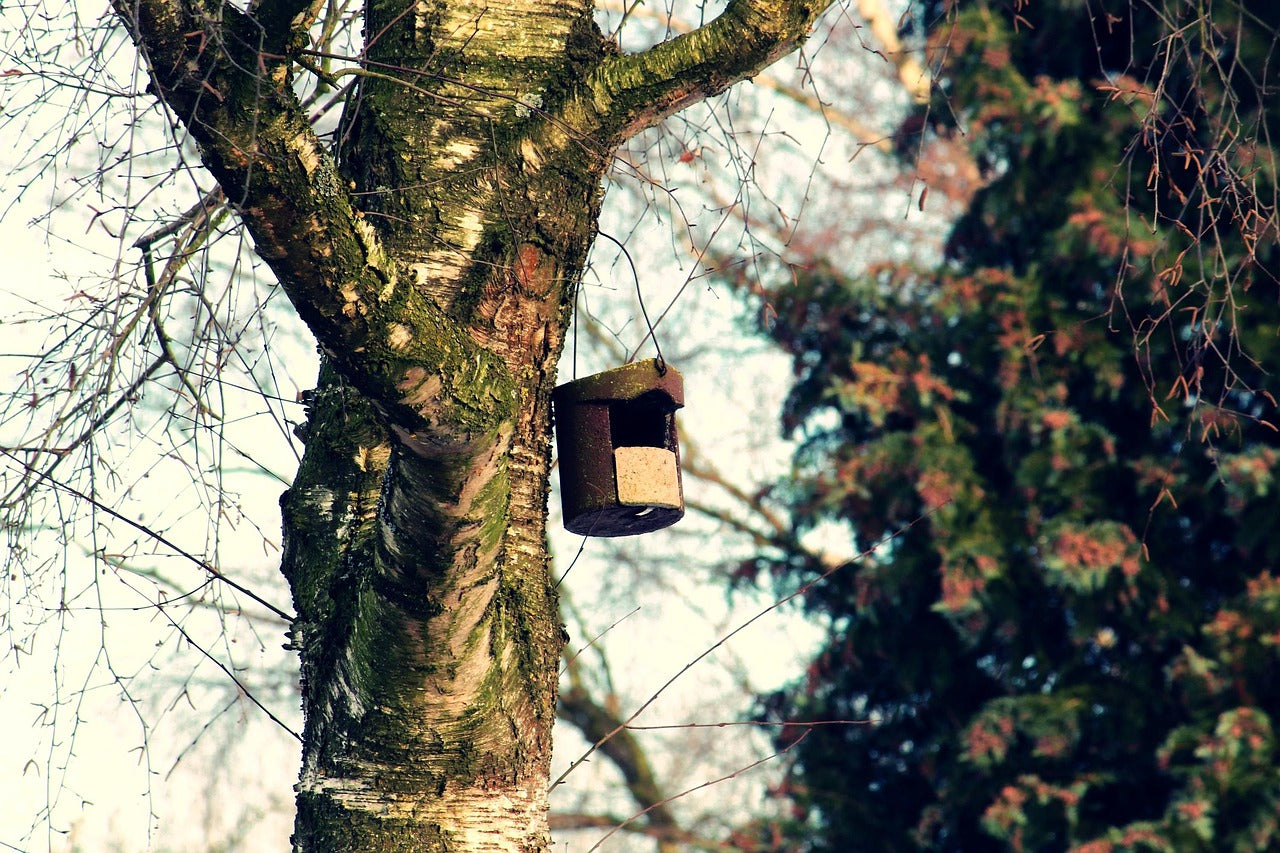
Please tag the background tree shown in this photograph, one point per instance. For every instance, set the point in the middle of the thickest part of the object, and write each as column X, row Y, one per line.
column 431, row 238
column 1069, row 429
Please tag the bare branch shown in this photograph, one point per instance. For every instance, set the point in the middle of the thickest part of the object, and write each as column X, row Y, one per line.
column 576, row 706
column 913, row 76
column 669, row 838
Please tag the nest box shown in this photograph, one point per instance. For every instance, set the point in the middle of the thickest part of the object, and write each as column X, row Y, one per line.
column 619, row 452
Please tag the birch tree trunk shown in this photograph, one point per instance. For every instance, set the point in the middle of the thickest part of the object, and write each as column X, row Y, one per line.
column 434, row 255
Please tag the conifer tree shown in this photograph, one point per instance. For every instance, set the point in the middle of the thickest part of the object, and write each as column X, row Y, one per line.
column 1067, row 431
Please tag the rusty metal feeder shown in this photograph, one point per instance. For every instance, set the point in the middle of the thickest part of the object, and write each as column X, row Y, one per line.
column 619, row 451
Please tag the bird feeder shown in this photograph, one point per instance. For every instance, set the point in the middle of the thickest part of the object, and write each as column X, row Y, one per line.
column 619, row 452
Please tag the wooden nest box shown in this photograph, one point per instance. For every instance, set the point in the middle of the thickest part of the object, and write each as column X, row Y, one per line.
column 619, row 452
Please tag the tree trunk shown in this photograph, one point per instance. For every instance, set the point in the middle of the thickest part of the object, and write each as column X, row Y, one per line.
column 434, row 256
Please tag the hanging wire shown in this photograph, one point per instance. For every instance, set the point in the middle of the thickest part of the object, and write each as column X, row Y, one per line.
column 577, row 298
column 660, row 361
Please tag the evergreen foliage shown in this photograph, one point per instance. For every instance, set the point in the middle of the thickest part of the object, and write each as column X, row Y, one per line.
column 1073, row 641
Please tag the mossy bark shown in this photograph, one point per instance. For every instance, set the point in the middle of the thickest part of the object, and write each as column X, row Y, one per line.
column 434, row 257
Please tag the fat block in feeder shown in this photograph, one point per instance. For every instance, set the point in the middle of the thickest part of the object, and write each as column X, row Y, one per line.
column 619, row 450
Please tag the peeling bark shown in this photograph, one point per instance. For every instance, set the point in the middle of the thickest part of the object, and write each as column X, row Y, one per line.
column 434, row 258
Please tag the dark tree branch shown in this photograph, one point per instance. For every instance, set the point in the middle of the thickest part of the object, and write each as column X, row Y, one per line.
column 596, row 723
column 669, row 837
column 285, row 22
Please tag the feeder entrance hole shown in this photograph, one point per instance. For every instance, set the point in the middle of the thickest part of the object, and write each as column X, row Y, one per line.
column 642, row 422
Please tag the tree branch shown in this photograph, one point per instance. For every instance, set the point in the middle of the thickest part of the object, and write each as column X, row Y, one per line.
column 286, row 22
column 672, row 837
column 627, row 94
column 840, row 117
column 578, row 708
column 232, row 94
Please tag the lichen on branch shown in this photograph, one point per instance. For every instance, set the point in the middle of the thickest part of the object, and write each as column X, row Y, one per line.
column 628, row 93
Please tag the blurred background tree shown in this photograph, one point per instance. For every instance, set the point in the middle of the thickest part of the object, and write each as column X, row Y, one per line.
column 1069, row 421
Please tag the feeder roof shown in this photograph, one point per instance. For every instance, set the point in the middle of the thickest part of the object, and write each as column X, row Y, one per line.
column 628, row 382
